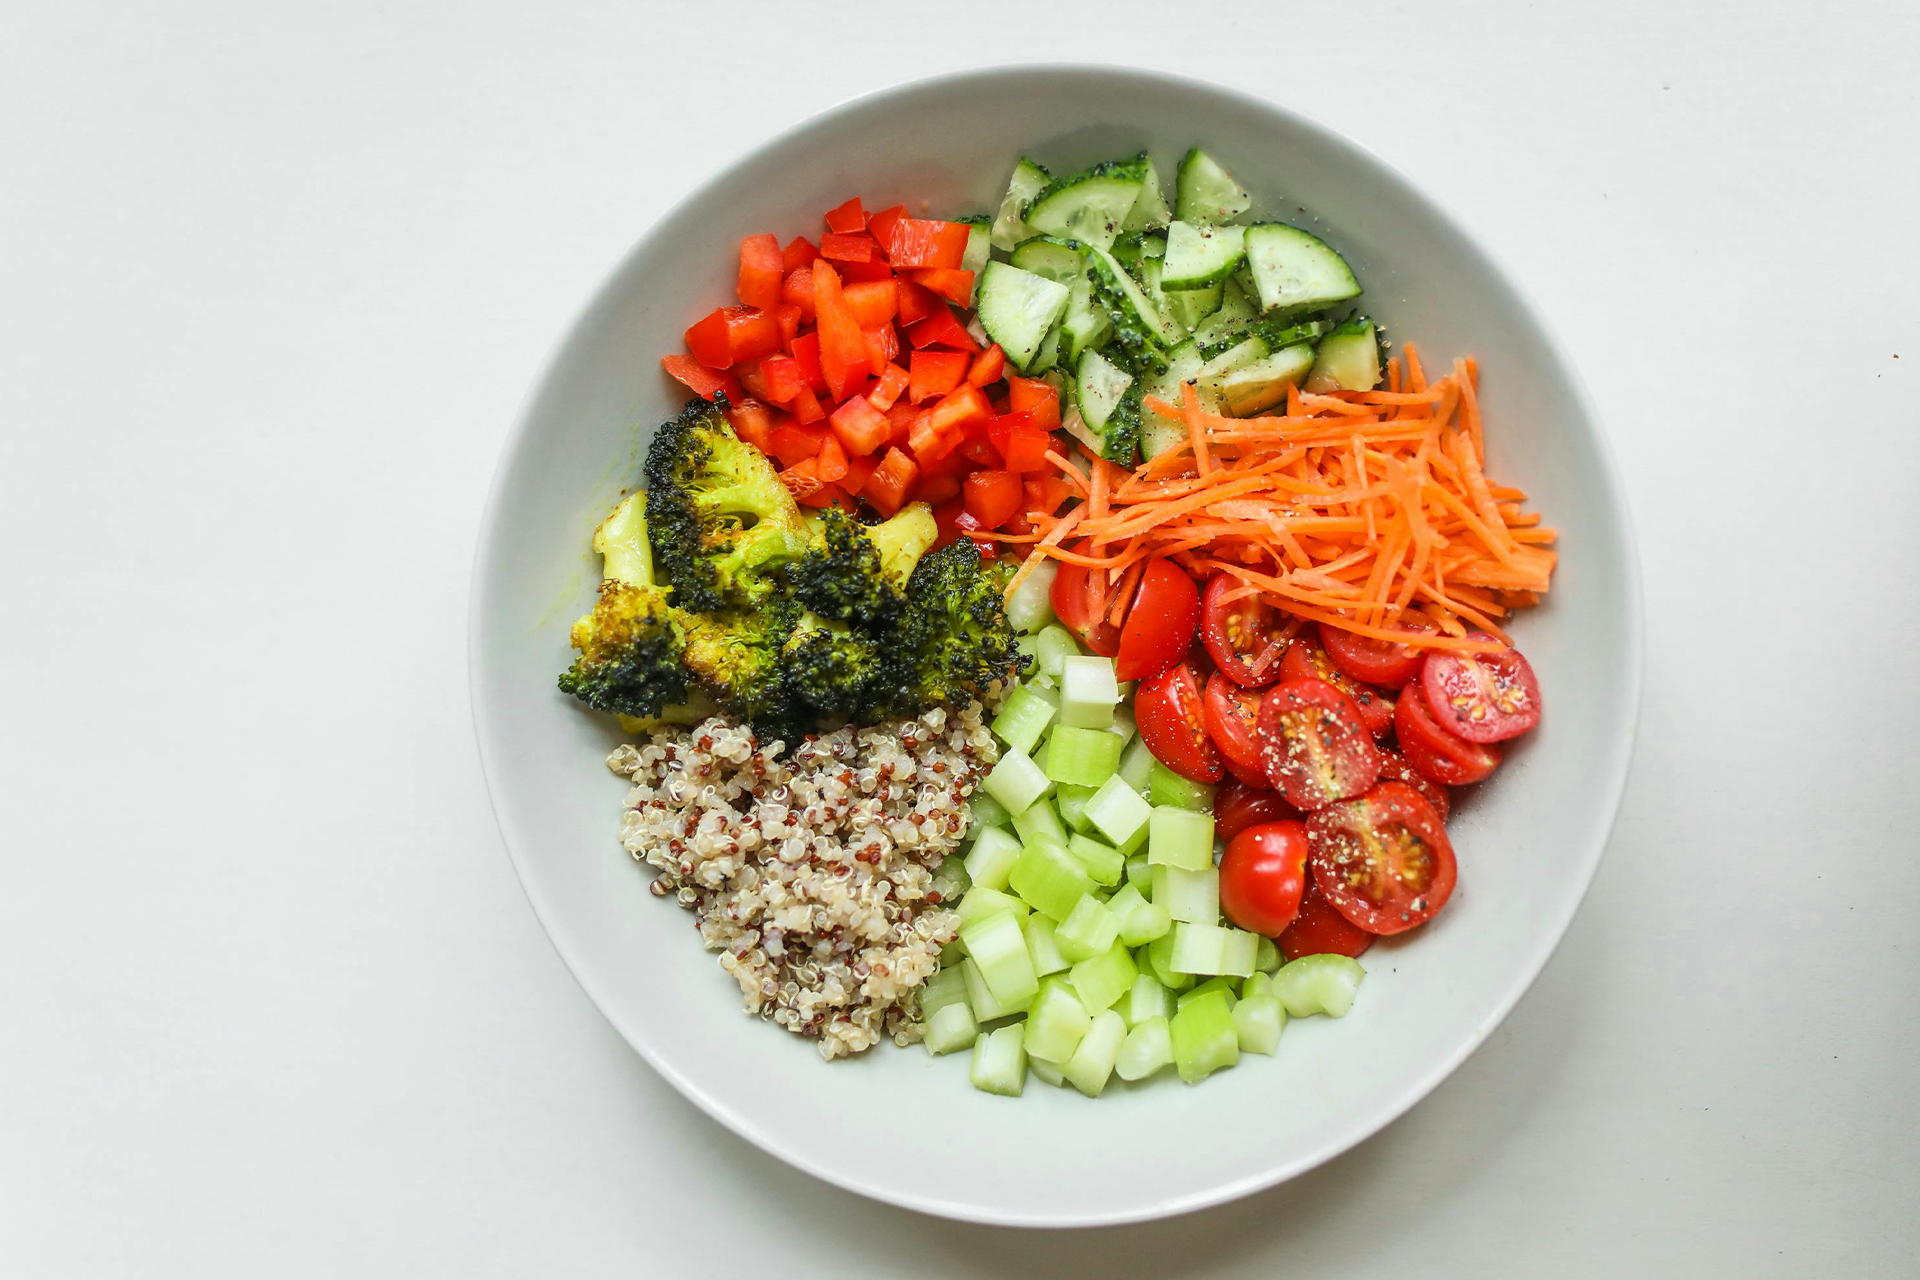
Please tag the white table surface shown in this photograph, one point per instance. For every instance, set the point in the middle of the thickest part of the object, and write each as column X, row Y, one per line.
column 273, row 279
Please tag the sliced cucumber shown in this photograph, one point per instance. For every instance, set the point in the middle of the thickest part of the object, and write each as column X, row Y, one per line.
column 1192, row 306
column 1150, row 274
column 1256, row 387
column 1348, row 359
column 1150, row 210
column 1049, row 355
column 1198, row 255
column 1295, row 271
column 1009, row 228
column 1084, row 324
column 1018, row 308
column 1051, row 257
column 1236, row 307
column 979, row 244
column 1206, row 193
column 1091, row 205
column 1098, row 386
column 1158, row 434
column 1239, row 355
column 1141, row 244
column 1138, row 326
column 1275, row 332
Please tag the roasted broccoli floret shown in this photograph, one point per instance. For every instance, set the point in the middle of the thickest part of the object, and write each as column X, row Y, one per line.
column 631, row 645
column 836, row 672
column 955, row 634
column 737, row 656
column 722, row 523
column 856, row 573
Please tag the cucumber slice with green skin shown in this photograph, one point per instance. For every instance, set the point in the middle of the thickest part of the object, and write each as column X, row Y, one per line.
column 1018, row 309
column 1138, row 326
column 1150, row 273
column 1239, row 355
column 1099, row 385
column 1084, row 325
column 1275, row 332
column 1158, row 434
column 1089, row 206
column 1150, row 210
column 1129, row 250
column 1236, row 307
column 1318, row 984
column 1009, row 228
column 1051, row 257
column 1192, row 306
column 1205, row 193
column 1198, row 255
column 1049, row 355
column 1348, row 359
column 1295, row 270
column 1257, row 387
column 979, row 245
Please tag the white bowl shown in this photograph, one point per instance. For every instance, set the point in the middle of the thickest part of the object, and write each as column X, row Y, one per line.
column 896, row 1124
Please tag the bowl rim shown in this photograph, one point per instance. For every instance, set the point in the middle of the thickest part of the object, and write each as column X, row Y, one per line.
column 1611, row 780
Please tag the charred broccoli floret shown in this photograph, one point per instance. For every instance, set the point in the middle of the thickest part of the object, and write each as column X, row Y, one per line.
column 722, row 523
column 856, row 573
column 955, row 634
column 838, row 672
column 631, row 645
column 737, row 656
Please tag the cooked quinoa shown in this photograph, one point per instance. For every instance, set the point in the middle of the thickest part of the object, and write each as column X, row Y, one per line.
column 814, row 875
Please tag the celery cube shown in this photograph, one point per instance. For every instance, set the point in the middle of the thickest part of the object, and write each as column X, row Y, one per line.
column 1164, row 786
column 1204, row 1038
column 1083, row 757
column 985, row 1007
column 1039, row 820
column 998, row 949
column 1116, row 810
column 1146, row 999
column 1140, row 873
column 1046, row 1072
column 1124, row 724
column 1053, row 646
column 984, row 811
column 1072, row 805
column 1056, row 1022
column 1266, row 957
column 1042, row 946
column 1088, row 692
column 1159, row 959
column 1258, row 1023
column 1088, row 930
column 999, row 1062
column 953, row 1028
column 981, row 902
column 1024, row 716
column 1016, row 781
column 1092, row 1063
column 1197, row 948
column 1237, row 953
column 991, row 858
column 1179, row 838
column 1318, row 984
column 1211, row 984
column 1136, row 766
column 1102, row 861
column 1145, row 923
column 1257, row 984
column 947, row 987
column 1147, row 1048
column 1123, row 900
column 1103, row 979
column 1192, row 896
column 1050, row 878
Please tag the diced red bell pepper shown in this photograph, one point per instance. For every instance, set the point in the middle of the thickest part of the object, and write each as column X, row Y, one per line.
column 860, row 427
column 787, row 316
column 802, row 477
column 951, row 283
column 928, row 442
column 916, row 302
column 760, row 271
column 858, row 470
column 988, row 367
column 900, row 418
column 752, row 381
column 751, row 334
column 792, row 442
column 1036, row 397
column 935, row 490
column 798, row 289
column 953, row 464
column 827, row 495
column 880, row 225
column 806, row 353
column 855, row 248
column 941, row 329
column 844, row 356
column 887, row 487
column 754, row 422
column 800, row 252
column 873, row 302
column 1022, row 446
column 959, row 408
column 978, row 450
column 831, row 461
column 923, row 242
column 883, row 344
column 1045, row 494
column 784, row 377
column 697, row 378
column 992, row 497
column 934, row 373
column 806, row 407
column 855, row 272
column 893, row 380
column 707, row 340
column 847, row 218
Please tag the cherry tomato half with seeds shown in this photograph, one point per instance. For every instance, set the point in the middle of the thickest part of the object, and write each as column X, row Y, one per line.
column 1320, row 930
column 1247, row 637
column 1075, row 603
column 1314, row 744
column 1160, row 621
column 1237, row 806
column 1263, row 874
column 1383, row 860
column 1233, row 722
column 1482, row 697
column 1394, row 767
column 1429, row 748
column 1171, row 714
column 1380, row 662
column 1307, row 660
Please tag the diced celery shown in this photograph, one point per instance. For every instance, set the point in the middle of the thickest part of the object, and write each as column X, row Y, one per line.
column 1053, row 646
column 1123, row 722
column 985, row 1007
column 1072, row 805
column 1030, row 650
column 991, row 858
column 1179, row 838
column 1164, row 786
column 1140, row 873
column 1088, row 693
column 1030, row 607
column 1211, row 984
column 1256, row 984
column 981, row 902
column 1237, row 953
column 1145, row 923
column 950, row 880
column 1050, row 878
column 984, row 811
column 1039, row 820
column 1318, row 984
column 1016, row 781
column 1104, row 978
column 1258, row 1022
column 1102, row 861
column 1092, row 1063
column 1159, row 958
column 1083, row 757
column 1041, row 680
column 1135, row 842
column 1042, row 947
column 1024, row 716
column 952, row 1028
column 1117, row 810
column 1191, row 896
column 1136, row 766
column 1146, row 998
column 1046, row 1072
column 1088, row 930
column 1204, row 1038
column 999, row 949
column 1197, row 948
column 1056, row 1022
column 947, row 987
column 1147, row 1048
column 1266, row 956
column 1123, row 900
column 999, row 1062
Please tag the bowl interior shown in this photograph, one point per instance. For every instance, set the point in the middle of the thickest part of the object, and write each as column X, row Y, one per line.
column 1527, row 846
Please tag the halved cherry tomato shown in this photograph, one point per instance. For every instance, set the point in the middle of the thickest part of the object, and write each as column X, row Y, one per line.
column 1383, row 860
column 1160, row 621
column 1172, row 720
column 1319, row 930
column 1442, row 756
column 1245, row 637
column 1233, row 721
column 1074, row 602
column 1237, row 806
column 1380, row 662
column 1316, row 748
column 1263, row 874
column 1306, row 660
column 1482, row 697
column 1394, row 767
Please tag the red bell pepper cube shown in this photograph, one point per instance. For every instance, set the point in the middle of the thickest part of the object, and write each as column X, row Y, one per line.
column 959, row 408
column 806, row 407
column 1036, row 397
column 827, row 495
column 887, row 487
column 977, row 449
column 760, row 271
column 754, row 422
column 916, row 301
column 860, row 427
column 951, row 283
column 784, row 377
column 805, row 350
column 752, row 381
column 873, row 302
column 707, row 340
column 880, row 225
column 934, row 373
column 900, row 418
column 831, row 461
column 988, row 367
column 928, row 442
column 1022, row 446
column 844, row 356
column 798, row 289
column 801, row 477
column 787, row 316
column 848, row 217
column 938, row 491
column 854, row 272
column 793, row 442
column 883, row 344
column 697, row 378
column 892, row 381
column 751, row 334
column 941, row 329
column 800, row 252
column 992, row 497
column 855, row 248
column 858, row 471
column 923, row 242
column 1045, row 494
